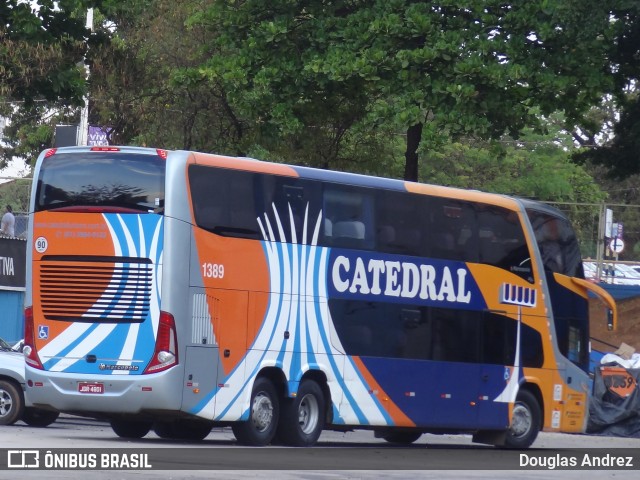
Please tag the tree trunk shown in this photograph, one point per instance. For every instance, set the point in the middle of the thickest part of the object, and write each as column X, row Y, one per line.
column 414, row 135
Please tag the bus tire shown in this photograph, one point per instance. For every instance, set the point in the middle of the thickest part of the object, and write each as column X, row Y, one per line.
column 402, row 438
column 126, row 428
column 164, row 429
column 183, row 429
column 526, row 421
column 36, row 417
column 302, row 418
column 11, row 402
column 264, row 411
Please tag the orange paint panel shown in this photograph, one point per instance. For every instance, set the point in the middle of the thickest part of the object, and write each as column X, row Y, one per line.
column 228, row 310
column 247, row 164
column 65, row 234
column 243, row 262
column 240, row 268
column 45, row 289
column 569, row 284
column 71, row 234
column 461, row 194
column 574, row 413
column 400, row 419
column 492, row 279
column 544, row 380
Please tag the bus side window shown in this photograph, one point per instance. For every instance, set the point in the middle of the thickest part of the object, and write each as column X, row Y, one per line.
column 350, row 213
column 328, row 228
column 348, row 233
column 532, row 353
column 385, row 237
column 456, row 335
column 502, row 243
column 410, row 240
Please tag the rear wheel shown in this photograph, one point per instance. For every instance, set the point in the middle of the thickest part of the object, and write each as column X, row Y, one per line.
column 526, row 421
column 11, row 403
column 302, row 417
column 264, row 411
column 130, row 428
column 36, row 417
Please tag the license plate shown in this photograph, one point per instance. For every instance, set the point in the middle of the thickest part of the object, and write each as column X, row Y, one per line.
column 95, row 388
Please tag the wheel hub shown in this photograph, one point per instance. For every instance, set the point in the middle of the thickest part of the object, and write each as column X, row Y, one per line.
column 262, row 412
column 5, row 403
column 308, row 413
column 522, row 420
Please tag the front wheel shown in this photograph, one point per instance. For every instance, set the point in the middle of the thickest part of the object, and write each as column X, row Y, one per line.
column 11, row 403
column 526, row 421
column 130, row 428
column 264, row 411
column 302, row 417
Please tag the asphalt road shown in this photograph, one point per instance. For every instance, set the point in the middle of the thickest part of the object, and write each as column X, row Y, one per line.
column 75, row 442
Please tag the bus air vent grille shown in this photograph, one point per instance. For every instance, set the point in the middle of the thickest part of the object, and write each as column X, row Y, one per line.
column 107, row 290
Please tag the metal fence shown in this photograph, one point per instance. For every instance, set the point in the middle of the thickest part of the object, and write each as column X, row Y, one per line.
column 609, row 236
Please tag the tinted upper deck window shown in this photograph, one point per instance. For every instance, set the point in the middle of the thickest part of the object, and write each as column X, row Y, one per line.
column 123, row 180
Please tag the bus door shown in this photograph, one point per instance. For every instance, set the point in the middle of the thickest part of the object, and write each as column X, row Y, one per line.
column 217, row 345
column 202, row 362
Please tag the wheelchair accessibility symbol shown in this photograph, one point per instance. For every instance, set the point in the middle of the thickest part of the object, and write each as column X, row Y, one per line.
column 43, row 332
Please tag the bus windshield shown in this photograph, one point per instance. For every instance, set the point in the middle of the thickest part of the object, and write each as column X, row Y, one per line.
column 125, row 182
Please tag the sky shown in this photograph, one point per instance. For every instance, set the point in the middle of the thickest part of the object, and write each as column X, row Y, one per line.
column 16, row 168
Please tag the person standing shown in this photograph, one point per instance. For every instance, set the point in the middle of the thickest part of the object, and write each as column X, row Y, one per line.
column 8, row 226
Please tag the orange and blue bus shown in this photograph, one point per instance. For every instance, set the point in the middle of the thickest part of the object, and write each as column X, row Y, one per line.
column 175, row 291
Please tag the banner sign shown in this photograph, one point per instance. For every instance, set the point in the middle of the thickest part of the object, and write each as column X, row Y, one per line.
column 98, row 137
column 13, row 259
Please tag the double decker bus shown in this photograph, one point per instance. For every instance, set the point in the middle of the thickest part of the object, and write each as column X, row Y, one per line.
column 173, row 291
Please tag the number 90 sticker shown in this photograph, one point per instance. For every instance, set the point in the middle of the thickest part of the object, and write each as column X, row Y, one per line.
column 41, row 245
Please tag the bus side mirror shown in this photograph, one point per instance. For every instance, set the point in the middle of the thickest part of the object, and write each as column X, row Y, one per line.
column 604, row 296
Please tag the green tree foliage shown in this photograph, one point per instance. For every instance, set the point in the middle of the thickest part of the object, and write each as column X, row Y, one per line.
column 42, row 46
column 621, row 155
column 362, row 86
column 32, row 128
column 149, row 87
column 437, row 70
column 144, row 86
column 16, row 193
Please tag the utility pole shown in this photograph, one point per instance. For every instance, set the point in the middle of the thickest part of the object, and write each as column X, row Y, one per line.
column 601, row 240
column 83, row 129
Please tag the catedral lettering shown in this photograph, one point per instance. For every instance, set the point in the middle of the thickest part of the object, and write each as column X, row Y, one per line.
column 284, row 301
column 400, row 279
